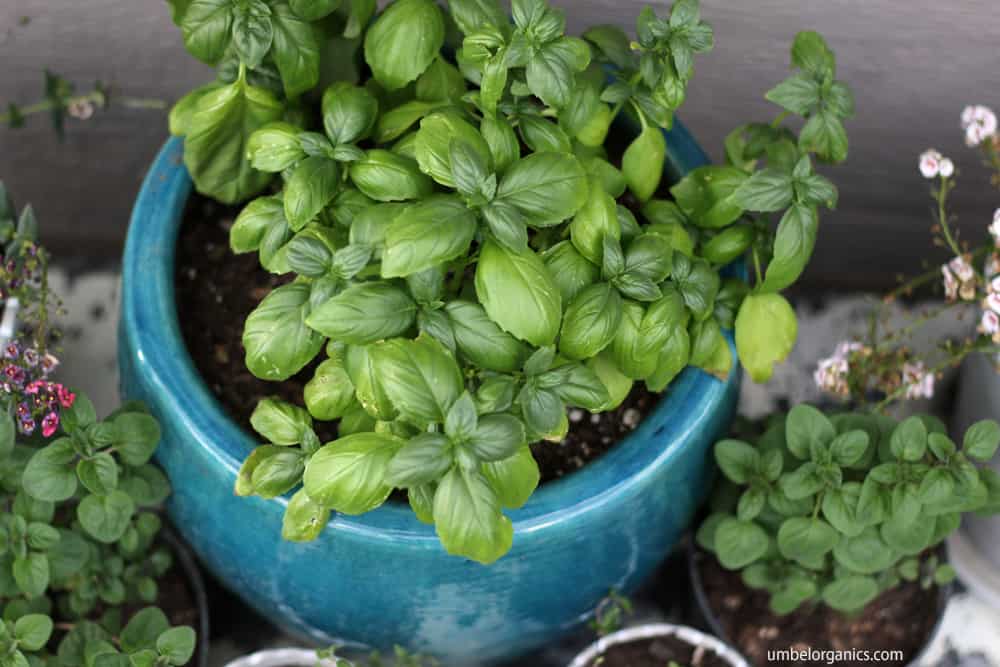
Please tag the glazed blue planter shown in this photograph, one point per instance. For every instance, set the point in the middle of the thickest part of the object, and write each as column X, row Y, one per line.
column 383, row 578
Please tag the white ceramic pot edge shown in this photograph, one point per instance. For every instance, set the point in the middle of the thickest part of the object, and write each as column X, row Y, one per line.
column 282, row 657
column 652, row 630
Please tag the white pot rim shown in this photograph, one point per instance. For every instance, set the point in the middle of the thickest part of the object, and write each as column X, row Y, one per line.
column 282, row 657
column 651, row 630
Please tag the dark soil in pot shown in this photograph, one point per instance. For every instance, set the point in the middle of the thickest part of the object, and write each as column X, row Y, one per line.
column 901, row 619
column 658, row 652
column 217, row 289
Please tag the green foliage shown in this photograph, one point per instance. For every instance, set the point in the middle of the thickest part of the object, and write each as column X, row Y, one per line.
column 79, row 544
column 466, row 248
column 837, row 509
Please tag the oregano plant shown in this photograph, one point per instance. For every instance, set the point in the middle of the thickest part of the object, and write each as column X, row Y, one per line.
column 836, row 509
column 472, row 254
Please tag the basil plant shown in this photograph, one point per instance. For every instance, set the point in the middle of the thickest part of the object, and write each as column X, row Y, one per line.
column 80, row 556
column 836, row 509
column 472, row 255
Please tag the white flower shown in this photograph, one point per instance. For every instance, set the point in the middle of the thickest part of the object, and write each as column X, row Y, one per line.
column 978, row 122
column 990, row 324
column 991, row 267
column 930, row 163
column 947, row 168
column 81, row 109
column 918, row 382
column 962, row 269
column 831, row 373
column 995, row 227
column 992, row 302
column 995, row 284
column 950, row 284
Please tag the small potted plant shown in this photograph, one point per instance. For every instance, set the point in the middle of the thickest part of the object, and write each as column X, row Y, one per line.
column 458, row 244
column 82, row 556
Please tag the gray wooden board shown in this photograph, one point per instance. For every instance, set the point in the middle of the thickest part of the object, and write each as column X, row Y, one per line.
column 913, row 65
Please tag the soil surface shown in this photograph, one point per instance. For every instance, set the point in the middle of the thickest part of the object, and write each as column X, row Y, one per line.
column 216, row 290
column 900, row 619
column 658, row 652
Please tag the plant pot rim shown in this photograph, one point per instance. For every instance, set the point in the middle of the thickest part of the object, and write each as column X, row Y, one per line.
column 651, row 630
column 281, row 657
column 189, row 565
column 150, row 322
column 712, row 619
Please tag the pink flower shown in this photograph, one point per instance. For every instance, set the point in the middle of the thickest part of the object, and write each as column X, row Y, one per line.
column 962, row 269
column 27, row 426
column 950, row 284
column 12, row 350
column 979, row 122
column 31, row 357
column 50, row 423
column 49, row 363
column 918, row 382
column 992, row 302
column 995, row 228
column 990, row 323
column 66, row 397
column 930, row 163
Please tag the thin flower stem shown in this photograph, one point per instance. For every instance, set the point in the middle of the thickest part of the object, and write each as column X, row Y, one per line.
column 95, row 97
column 915, row 325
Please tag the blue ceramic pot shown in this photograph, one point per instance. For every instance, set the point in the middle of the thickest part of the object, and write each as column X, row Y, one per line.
column 383, row 578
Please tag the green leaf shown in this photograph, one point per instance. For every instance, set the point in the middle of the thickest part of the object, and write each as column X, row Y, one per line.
column 177, row 645
column 313, row 10
column 433, row 145
column 32, row 631
column 277, row 341
column 143, row 629
column 481, row 340
column 420, row 377
column 936, row 487
column 766, row 190
column 441, row 82
column 707, row 195
column 981, row 440
column 468, row 519
column 7, row 428
column 546, row 187
column 518, row 293
column 349, row 112
column 811, row 54
column 364, row 313
column 851, row 593
column 393, row 123
column 330, row 392
column 552, row 68
column 280, row 422
column 766, row 329
column 839, row 508
column 99, row 474
column 739, row 543
column 806, row 540
column 105, row 518
column 612, row 43
column 386, row 176
column 207, row 29
column 806, row 429
column 31, row 573
column 217, row 136
column 304, row 518
column 50, row 474
column 737, row 460
column 312, row 186
column 697, row 283
column 642, row 163
column 595, row 221
column 649, row 256
column 425, row 458
column 569, row 269
column 253, row 223
column 275, row 147
column 908, row 441
column 590, row 321
column 296, row 50
column 404, row 41
column 427, row 234
column 848, row 448
column 543, row 135
column 865, row 553
column 136, row 436
column 496, row 438
column 503, row 143
column 253, row 32
column 824, row 135
column 513, row 479
column 348, row 474
column 798, row 94
column 793, row 247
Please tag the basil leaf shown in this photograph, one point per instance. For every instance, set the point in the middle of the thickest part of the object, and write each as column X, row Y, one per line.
column 642, row 162
column 635, row 353
column 766, row 190
column 542, row 409
column 496, row 438
column 590, row 322
column 425, row 458
column 394, row 123
column 253, row 31
column 613, row 44
column 697, row 283
column 434, row 140
column 207, row 29
column 824, row 134
column 295, row 51
column 275, row 147
column 420, row 377
column 385, row 176
column 552, row 70
column 404, row 41
column 709, row 349
column 543, row 135
column 569, row 269
column 427, row 234
column 649, row 256
column 349, row 112
column 580, row 386
column 330, row 392
column 364, row 313
column 473, row 15
column 596, row 220
column 481, row 341
column 518, row 293
column 50, row 473
column 707, row 195
column 546, row 187
column 314, row 10
column 312, row 186
column 739, row 543
column 280, row 422
column 367, row 385
column 105, row 518
column 793, row 246
column 468, row 519
column 348, row 474
column 766, row 330
column 278, row 343
column 215, row 144
column 507, row 225
column 503, row 143
column 513, row 479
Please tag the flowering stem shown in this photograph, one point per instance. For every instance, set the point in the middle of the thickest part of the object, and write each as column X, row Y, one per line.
column 924, row 278
column 904, row 332
column 95, row 97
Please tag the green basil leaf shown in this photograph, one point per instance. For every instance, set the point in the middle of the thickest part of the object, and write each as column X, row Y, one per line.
column 311, row 187
column 474, row 15
column 348, row 474
column 707, row 195
column 613, row 44
column 507, row 225
column 404, row 41
column 513, row 479
column 697, row 283
column 542, row 409
column 739, row 543
column 304, row 518
column 468, row 519
column 503, row 143
column 981, row 440
column 330, row 392
column 441, row 82
column 314, row 10
column 275, row 147
column 569, row 269
column 542, row 135
column 420, row 377
column 277, row 341
column 546, row 187
column 427, row 234
column 518, row 293
column 609, row 177
column 296, row 50
column 279, row 473
column 424, row 459
column 105, row 518
column 207, row 29
column 811, row 54
column 799, row 94
column 649, row 256
column 253, row 31
column 596, row 220
column 766, row 330
column 434, row 140
column 385, row 176
column 580, row 386
column 497, row 438
column 590, row 321
column 673, row 358
column 793, row 246
column 50, row 474
column 766, row 190
column 364, row 313
column 482, row 341
column 368, row 386
column 824, row 135
column 634, row 348
column 642, row 163
column 215, row 144
column 710, row 349
column 349, row 112
column 552, row 69
column 280, row 422
column 394, row 123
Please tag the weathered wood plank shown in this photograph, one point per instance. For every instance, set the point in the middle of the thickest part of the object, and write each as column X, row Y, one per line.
column 913, row 66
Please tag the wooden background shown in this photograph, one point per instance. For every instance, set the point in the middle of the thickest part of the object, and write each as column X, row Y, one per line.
column 913, row 64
